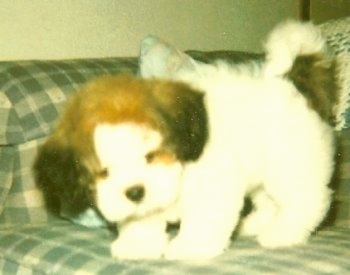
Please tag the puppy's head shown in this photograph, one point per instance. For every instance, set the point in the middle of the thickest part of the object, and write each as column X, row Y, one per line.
column 120, row 146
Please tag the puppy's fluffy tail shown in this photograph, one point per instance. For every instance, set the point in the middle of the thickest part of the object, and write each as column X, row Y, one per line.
column 297, row 51
column 289, row 40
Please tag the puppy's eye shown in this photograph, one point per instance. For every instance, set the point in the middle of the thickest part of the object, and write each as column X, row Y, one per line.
column 102, row 174
column 151, row 156
column 160, row 156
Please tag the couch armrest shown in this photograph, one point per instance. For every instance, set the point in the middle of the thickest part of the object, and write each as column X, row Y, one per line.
column 34, row 92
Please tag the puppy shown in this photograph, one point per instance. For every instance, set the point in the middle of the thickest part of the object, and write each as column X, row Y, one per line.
column 271, row 139
column 148, row 152
column 120, row 147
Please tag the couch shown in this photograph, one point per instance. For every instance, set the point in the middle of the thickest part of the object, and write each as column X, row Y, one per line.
column 34, row 241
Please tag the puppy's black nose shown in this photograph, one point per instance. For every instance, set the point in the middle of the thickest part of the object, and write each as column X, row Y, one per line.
column 135, row 193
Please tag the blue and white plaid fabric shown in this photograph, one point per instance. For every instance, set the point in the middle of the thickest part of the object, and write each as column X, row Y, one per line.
column 32, row 95
column 70, row 249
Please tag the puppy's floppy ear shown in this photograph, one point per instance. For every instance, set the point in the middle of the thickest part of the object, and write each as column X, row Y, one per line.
column 63, row 179
column 183, row 111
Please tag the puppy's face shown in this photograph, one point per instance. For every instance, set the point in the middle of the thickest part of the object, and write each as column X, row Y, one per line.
column 139, row 175
column 121, row 146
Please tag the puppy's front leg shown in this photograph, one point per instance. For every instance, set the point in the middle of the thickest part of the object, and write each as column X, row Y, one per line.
column 141, row 239
column 210, row 214
column 203, row 237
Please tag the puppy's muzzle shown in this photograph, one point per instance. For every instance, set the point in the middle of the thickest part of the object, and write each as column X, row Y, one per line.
column 135, row 193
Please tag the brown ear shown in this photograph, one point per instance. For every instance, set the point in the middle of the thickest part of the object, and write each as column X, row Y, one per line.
column 183, row 111
column 63, row 179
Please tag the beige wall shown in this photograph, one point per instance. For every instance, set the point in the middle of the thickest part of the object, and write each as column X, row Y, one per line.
column 54, row 29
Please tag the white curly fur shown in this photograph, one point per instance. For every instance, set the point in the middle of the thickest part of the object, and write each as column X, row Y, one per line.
column 264, row 142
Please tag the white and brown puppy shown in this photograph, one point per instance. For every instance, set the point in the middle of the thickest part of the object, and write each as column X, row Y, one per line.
column 120, row 146
column 271, row 128
column 146, row 152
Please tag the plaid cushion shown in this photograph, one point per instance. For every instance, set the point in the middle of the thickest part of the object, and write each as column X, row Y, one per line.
column 23, row 203
column 32, row 95
column 69, row 249
column 342, row 182
column 6, row 168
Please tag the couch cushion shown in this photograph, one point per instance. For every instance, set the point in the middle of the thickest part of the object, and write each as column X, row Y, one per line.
column 20, row 200
column 341, row 182
column 6, row 168
column 32, row 93
column 70, row 249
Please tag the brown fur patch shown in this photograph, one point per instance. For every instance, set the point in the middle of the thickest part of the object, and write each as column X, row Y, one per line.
column 115, row 99
column 105, row 100
column 315, row 76
column 160, row 156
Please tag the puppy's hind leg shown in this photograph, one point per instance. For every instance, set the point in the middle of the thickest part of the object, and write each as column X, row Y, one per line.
column 300, row 192
column 297, row 218
column 264, row 210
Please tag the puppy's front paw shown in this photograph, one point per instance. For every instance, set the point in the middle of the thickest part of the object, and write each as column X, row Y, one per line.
column 128, row 250
column 182, row 249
